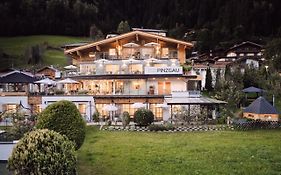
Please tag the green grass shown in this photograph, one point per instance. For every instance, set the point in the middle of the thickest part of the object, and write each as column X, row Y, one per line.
column 16, row 46
column 227, row 152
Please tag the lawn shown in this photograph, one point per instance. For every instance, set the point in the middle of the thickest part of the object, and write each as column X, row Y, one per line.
column 16, row 47
column 220, row 152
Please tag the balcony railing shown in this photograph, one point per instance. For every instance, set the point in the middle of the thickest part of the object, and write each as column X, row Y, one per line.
column 186, row 94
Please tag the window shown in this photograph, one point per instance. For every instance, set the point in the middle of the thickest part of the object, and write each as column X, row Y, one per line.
column 37, row 109
column 158, row 112
column 250, row 54
column 82, row 109
column 231, row 54
column 112, row 52
column 165, row 53
column 11, row 108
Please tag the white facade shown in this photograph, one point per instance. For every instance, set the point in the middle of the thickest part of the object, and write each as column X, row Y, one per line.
column 85, row 104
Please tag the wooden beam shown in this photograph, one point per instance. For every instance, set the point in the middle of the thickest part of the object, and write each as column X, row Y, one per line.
column 98, row 48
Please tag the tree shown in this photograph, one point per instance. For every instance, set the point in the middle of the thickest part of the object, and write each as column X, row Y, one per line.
column 209, row 80
column 95, row 33
column 218, row 80
column 64, row 118
column 273, row 53
column 143, row 117
column 123, row 27
column 43, row 152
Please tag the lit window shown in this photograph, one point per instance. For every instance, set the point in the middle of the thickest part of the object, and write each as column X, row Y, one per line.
column 250, row 54
column 231, row 54
column 112, row 52
column 82, row 109
column 165, row 53
column 11, row 108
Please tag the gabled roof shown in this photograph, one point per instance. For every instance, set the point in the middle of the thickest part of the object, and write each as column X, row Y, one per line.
column 17, row 77
column 261, row 106
column 119, row 37
column 244, row 43
column 252, row 89
column 48, row 67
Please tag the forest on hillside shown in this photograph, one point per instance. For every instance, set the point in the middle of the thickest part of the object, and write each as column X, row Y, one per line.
column 211, row 21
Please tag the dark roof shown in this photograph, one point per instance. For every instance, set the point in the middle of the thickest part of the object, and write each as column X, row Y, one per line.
column 252, row 90
column 48, row 67
column 261, row 106
column 17, row 77
column 75, row 44
column 245, row 43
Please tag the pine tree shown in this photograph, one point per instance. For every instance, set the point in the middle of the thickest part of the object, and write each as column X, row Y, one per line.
column 218, row 80
column 123, row 27
column 208, row 85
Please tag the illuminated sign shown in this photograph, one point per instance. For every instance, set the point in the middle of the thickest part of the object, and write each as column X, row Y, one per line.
column 163, row 70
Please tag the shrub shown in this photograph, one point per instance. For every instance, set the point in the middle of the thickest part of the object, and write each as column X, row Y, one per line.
column 143, row 117
column 166, row 127
column 64, row 118
column 125, row 118
column 21, row 124
column 43, row 152
column 249, row 124
column 96, row 116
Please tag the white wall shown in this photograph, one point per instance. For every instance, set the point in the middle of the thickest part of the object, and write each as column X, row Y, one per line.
column 6, row 150
column 14, row 100
column 178, row 85
column 87, row 100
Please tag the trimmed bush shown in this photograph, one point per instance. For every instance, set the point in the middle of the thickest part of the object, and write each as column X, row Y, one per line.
column 96, row 116
column 143, row 117
column 165, row 127
column 64, row 118
column 125, row 118
column 249, row 124
column 43, row 152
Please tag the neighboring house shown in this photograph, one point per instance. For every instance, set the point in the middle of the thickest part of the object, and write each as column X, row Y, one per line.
column 261, row 109
column 201, row 70
column 246, row 53
column 50, row 72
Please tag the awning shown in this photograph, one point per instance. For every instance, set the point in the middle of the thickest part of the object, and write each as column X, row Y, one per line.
column 193, row 101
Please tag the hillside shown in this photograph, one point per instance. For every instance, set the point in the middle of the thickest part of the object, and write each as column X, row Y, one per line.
column 14, row 50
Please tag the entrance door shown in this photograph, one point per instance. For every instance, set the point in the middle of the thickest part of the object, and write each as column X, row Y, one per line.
column 164, row 87
column 167, row 87
column 160, row 87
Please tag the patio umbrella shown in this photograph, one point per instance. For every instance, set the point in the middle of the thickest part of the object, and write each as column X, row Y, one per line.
column 110, row 108
column 138, row 105
column 164, row 105
column 131, row 45
column 101, row 61
column 68, row 81
column 46, row 81
column 132, row 61
column 70, row 67
column 151, row 44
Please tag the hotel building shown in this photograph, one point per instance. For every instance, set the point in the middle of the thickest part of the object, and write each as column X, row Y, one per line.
column 139, row 67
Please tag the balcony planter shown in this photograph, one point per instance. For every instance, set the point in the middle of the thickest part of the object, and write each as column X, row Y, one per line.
column 151, row 90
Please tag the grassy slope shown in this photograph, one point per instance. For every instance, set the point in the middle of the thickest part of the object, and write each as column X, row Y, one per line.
column 228, row 152
column 15, row 46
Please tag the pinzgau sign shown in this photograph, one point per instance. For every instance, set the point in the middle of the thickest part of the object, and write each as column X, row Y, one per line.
column 163, row 70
